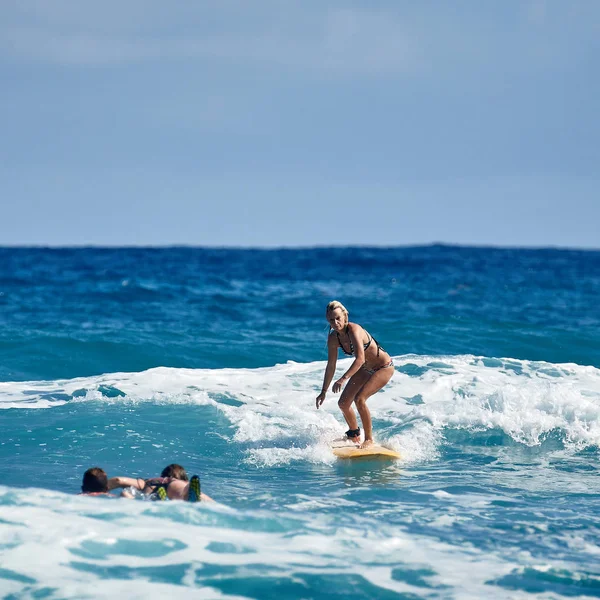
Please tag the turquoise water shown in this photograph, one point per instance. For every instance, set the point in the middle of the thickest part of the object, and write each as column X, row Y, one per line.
column 131, row 359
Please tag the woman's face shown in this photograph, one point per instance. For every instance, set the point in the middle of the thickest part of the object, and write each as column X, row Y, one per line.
column 337, row 319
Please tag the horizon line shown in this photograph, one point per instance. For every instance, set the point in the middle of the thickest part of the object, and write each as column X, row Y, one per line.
column 293, row 247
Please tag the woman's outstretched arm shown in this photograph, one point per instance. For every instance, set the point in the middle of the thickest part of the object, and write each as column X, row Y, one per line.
column 332, row 352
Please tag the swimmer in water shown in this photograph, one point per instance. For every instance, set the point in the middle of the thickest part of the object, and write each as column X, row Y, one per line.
column 371, row 370
column 172, row 484
column 95, row 482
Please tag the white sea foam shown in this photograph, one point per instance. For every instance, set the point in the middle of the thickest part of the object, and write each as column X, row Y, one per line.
column 427, row 397
column 89, row 547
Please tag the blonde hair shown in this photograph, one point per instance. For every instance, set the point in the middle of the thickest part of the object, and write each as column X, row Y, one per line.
column 335, row 304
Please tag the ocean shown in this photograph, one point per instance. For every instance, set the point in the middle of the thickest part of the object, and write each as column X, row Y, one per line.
column 134, row 358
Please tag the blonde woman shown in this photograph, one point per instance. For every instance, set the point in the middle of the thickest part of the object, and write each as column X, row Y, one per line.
column 371, row 370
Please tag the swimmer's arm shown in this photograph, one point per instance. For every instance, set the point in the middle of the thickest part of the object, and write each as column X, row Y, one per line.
column 123, row 482
column 205, row 497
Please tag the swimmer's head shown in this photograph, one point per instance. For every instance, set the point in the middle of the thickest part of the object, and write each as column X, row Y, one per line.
column 95, row 481
column 337, row 315
column 175, row 471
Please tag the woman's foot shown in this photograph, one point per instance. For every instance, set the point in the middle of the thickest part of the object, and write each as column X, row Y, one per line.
column 368, row 442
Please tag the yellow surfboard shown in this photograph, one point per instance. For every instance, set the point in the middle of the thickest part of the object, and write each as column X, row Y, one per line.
column 374, row 451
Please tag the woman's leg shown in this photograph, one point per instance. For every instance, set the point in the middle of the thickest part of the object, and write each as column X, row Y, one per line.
column 374, row 384
column 356, row 382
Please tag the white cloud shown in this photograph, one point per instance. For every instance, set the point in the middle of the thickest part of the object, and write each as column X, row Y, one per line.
column 325, row 38
column 290, row 36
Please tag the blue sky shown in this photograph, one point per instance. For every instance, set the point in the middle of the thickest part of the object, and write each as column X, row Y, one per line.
column 300, row 123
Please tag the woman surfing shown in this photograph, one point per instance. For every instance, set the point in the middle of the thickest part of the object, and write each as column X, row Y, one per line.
column 371, row 370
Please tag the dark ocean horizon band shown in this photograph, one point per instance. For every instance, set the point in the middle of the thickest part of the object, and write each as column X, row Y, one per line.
column 77, row 312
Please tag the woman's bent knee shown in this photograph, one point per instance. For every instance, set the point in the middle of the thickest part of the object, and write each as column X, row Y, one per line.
column 344, row 403
column 360, row 401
